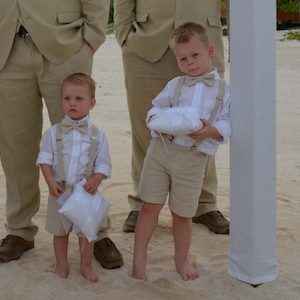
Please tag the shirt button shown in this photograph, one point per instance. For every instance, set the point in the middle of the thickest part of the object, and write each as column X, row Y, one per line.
column 14, row 20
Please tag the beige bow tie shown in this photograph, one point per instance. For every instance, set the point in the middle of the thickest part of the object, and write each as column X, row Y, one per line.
column 80, row 126
column 207, row 79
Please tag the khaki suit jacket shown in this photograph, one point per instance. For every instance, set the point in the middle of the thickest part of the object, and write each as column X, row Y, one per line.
column 146, row 25
column 57, row 27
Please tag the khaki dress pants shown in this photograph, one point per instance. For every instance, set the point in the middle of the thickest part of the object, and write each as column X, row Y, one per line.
column 143, row 81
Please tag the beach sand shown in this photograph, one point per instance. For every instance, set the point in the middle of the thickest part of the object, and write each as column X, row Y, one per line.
column 31, row 276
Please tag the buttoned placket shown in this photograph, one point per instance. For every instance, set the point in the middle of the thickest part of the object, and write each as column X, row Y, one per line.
column 75, row 154
column 196, row 103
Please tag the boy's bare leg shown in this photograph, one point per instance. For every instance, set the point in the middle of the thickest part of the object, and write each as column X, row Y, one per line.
column 61, row 254
column 86, row 255
column 182, row 232
column 145, row 226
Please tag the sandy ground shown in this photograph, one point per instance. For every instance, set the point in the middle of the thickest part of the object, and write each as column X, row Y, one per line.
column 31, row 277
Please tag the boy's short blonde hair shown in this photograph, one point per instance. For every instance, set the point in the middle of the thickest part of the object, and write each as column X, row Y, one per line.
column 185, row 32
column 81, row 79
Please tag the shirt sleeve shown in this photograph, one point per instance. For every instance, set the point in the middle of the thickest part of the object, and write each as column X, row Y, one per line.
column 103, row 161
column 95, row 14
column 163, row 100
column 124, row 16
column 46, row 154
column 222, row 121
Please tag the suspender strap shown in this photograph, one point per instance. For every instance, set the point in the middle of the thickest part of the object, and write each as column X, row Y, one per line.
column 61, row 170
column 218, row 103
column 93, row 148
column 177, row 91
column 219, row 100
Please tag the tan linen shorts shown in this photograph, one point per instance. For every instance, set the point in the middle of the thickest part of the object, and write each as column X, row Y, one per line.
column 178, row 172
column 55, row 226
column 53, row 222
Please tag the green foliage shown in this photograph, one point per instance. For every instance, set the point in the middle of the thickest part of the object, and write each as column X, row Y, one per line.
column 292, row 35
column 111, row 12
column 282, row 5
column 110, row 25
column 223, row 6
column 110, row 28
column 288, row 5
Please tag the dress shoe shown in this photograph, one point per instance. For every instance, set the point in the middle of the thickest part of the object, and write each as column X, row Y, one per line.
column 12, row 247
column 215, row 222
column 129, row 224
column 107, row 254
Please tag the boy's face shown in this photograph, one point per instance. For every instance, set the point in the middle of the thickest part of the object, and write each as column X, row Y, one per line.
column 194, row 58
column 76, row 100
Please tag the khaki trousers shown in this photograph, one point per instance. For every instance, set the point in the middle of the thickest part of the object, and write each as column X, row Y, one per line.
column 26, row 78
column 143, row 81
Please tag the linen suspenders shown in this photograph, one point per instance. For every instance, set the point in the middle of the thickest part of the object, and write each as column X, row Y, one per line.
column 219, row 97
column 219, row 100
column 61, row 170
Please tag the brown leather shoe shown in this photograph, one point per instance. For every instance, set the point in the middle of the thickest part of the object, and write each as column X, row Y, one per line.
column 12, row 247
column 107, row 254
column 215, row 222
column 129, row 224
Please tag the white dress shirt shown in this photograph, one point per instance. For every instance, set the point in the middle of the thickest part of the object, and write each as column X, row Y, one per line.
column 203, row 98
column 75, row 148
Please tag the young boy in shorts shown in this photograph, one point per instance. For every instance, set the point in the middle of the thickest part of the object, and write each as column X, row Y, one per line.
column 78, row 97
column 179, row 171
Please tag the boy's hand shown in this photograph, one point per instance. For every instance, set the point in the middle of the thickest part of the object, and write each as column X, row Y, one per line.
column 92, row 183
column 207, row 131
column 55, row 189
column 203, row 133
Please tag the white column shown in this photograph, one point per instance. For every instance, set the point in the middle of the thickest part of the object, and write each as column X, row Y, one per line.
column 252, row 253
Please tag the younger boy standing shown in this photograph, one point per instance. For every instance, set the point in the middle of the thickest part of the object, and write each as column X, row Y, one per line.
column 179, row 171
column 78, row 97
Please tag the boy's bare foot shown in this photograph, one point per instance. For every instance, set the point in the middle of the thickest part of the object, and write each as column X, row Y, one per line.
column 62, row 270
column 88, row 273
column 139, row 273
column 139, row 266
column 186, row 271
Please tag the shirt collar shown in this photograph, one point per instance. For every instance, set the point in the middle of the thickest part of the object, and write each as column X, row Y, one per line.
column 86, row 118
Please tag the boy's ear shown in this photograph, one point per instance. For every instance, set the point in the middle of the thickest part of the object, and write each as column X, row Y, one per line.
column 92, row 103
column 211, row 51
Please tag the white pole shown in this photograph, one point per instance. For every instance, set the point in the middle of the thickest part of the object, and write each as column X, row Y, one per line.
column 252, row 253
